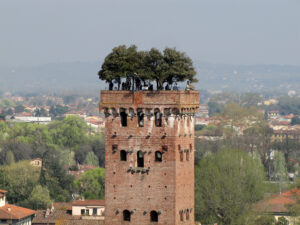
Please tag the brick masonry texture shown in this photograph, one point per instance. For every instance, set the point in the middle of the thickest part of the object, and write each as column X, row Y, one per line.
column 166, row 187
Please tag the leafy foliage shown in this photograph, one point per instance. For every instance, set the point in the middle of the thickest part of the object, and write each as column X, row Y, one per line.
column 91, row 159
column 38, row 199
column 20, row 179
column 92, row 184
column 166, row 67
column 226, row 184
column 54, row 175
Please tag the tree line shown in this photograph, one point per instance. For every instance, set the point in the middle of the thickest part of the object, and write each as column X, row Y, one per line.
column 140, row 68
column 61, row 145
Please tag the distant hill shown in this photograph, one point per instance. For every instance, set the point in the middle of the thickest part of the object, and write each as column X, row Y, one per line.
column 82, row 76
column 254, row 78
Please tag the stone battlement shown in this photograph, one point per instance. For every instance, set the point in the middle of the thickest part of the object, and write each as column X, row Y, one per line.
column 149, row 99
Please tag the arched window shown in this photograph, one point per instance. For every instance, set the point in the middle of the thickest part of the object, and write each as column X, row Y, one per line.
column 153, row 216
column 181, row 153
column 123, row 116
column 140, row 159
column 140, row 116
column 181, row 215
column 187, row 215
column 187, row 155
column 158, row 116
column 126, row 215
column 123, row 155
column 158, row 156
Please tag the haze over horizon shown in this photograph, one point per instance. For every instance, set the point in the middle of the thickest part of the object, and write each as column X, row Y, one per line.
column 228, row 32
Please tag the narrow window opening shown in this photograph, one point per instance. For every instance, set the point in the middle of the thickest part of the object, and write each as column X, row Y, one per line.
column 153, row 216
column 181, row 153
column 94, row 211
column 191, row 147
column 140, row 116
column 158, row 120
column 114, row 148
column 165, row 148
column 126, row 215
column 123, row 116
column 140, row 159
column 181, row 216
column 187, row 215
column 187, row 155
column 123, row 155
column 82, row 212
column 87, row 212
column 158, row 156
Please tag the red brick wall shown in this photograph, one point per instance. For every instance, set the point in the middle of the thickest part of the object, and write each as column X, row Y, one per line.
column 168, row 187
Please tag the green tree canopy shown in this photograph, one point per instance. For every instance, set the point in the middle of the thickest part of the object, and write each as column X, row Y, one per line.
column 20, row 179
column 54, row 175
column 226, row 184
column 166, row 67
column 38, row 199
column 92, row 184
column 70, row 132
column 91, row 159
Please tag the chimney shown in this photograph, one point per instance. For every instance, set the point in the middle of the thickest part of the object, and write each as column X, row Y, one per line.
column 8, row 209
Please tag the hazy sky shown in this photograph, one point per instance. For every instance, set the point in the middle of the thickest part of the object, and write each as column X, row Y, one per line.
column 36, row 32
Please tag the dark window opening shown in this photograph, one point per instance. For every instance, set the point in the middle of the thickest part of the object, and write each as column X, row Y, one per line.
column 95, row 211
column 154, row 216
column 164, row 148
column 140, row 159
column 158, row 120
column 87, row 212
column 187, row 215
column 191, row 147
column 158, row 156
column 181, row 216
column 82, row 212
column 114, row 148
column 140, row 116
column 181, row 153
column 123, row 155
column 187, row 155
column 126, row 215
column 123, row 116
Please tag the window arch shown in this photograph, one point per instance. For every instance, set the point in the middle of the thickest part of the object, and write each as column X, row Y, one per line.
column 181, row 215
column 187, row 215
column 153, row 216
column 187, row 155
column 158, row 118
column 123, row 116
column 123, row 155
column 158, row 156
column 140, row 159
column 181, row 153
column 140, row 115
column 126, row 215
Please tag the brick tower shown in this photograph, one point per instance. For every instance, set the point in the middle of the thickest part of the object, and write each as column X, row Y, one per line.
column 149, row 156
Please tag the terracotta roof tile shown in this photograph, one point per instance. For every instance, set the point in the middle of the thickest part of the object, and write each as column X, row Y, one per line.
column 9, row 211
column 62, row 205
column 3, row 191
column 278, row 203
column 88, row 202
column 63, row 217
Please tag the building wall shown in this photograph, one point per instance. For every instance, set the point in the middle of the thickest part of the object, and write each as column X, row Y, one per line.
column 24, row 221
column 168, row 186
column 76, row 210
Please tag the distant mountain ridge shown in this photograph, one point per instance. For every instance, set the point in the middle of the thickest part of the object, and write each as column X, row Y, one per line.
column 82, row 76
